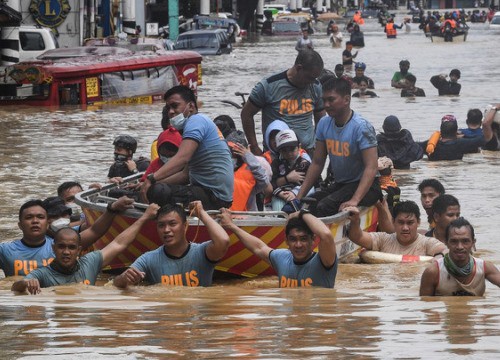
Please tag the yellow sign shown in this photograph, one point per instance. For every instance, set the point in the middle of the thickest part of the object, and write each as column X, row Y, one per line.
column 92, row 85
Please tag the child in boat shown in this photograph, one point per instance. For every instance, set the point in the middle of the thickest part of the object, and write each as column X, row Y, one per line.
column 387, row 183
column 124, row 165
column 289, row 169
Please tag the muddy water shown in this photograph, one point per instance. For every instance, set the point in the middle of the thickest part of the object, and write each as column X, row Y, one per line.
column 374, row 312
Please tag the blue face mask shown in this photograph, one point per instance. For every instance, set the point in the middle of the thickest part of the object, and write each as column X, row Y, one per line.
column 178, row 121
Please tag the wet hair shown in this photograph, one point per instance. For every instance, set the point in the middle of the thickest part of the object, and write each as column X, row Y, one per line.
column 348, row 43
column 442, row 202
column 30, row 203
column 433, row 183
column 325, row 76
column 299, row 224
column 404, row 62
column 67, row 229
column 449, row 129
column 184, row 92
column 411, row 78
column 458, row 223
column 226, row 124
column 341, row 86
column 167, row 209
column 309, row 59
column 474, row 117
column 66, row 186
column 455, row 72
column 406, row 207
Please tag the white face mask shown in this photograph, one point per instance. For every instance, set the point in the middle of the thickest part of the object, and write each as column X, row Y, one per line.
column 179, row 120
column 164, row 159
column 59, row 224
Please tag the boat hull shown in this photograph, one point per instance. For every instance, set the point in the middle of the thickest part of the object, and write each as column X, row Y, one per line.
column 440, row 38
column 238, row 260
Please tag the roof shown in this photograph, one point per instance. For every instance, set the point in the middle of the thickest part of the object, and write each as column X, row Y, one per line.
column 207, row 31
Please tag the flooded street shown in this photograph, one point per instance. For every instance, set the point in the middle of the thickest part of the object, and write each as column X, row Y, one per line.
column 374, row 311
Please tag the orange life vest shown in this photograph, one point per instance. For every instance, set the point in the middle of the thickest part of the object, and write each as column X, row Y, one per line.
column 390, row 30
column 358, row 19
column 432, row 142
column 453, row 23
column 244, row 183
column 387, row 181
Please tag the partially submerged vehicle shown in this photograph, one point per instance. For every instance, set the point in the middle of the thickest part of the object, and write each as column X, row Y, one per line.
column 282, row 27
column 86, row 75
column 268, row 226
column 495, row 22
column 205, row 42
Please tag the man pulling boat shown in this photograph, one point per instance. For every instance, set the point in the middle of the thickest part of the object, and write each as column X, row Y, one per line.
column 458, row 273
column 68, row 267
column 299, row 265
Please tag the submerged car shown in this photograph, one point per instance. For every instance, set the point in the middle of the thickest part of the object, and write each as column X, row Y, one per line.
column 205, row 42
column 495, row 21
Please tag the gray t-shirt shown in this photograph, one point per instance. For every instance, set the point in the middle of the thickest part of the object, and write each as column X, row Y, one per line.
column 310, row 273
column 279, row 99
column 191, row 269
column 89, row 267
column 422, row 246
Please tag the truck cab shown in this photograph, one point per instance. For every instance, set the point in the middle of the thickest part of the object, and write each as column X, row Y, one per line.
column 25, row 43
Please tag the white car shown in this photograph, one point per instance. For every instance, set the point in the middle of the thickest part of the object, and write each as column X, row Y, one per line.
column 495, row 21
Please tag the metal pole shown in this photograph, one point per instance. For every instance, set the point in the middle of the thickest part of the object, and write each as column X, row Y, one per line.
column 173, row 19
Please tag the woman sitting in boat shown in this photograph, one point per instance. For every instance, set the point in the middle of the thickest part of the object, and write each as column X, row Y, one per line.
column 252, row 174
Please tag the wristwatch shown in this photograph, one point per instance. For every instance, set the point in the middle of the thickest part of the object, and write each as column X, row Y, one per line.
column 302, row 212
column 151, row 178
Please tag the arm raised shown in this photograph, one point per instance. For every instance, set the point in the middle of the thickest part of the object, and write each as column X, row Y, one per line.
column 122, row 241
column 252, row 243
column 220, row 239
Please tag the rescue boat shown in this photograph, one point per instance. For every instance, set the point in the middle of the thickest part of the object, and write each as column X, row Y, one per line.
column 269, row 226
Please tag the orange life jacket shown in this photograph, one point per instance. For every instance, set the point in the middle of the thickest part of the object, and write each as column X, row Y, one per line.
column 387, row 181
column 358, row 19
column 390, row 30
column 453, row 24
column 244, row 183
column 432, row 142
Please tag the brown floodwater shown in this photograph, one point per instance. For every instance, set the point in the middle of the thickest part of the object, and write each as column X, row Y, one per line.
column 374, row 310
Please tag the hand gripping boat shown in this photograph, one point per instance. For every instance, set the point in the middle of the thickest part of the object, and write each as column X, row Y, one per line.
column 268, row 226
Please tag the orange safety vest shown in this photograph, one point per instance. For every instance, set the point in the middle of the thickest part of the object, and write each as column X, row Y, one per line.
column 390, row 30
column 244, row 183
column 432, row 142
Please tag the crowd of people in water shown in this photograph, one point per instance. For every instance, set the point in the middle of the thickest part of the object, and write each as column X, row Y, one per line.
column 204, row 164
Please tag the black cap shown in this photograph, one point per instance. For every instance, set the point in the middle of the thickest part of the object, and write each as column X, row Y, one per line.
column 391, row 124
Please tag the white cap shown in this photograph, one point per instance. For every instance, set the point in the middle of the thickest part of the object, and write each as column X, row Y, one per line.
column 286, row 138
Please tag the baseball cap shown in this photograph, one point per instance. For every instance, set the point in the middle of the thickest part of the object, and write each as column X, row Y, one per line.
column 286, row 138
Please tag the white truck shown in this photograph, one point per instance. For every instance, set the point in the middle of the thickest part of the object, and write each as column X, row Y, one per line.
column 22, row 43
